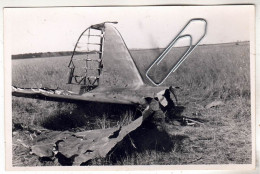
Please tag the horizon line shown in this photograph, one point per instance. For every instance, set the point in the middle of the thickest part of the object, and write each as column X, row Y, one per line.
column 136, row 49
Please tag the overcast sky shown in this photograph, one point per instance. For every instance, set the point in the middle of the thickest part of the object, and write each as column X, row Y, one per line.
column 57, row 29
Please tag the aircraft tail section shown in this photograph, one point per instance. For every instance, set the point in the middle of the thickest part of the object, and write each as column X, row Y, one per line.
column 102, row 59
column 119, row 69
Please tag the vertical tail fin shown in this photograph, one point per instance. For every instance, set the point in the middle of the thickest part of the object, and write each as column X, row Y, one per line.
column 119, row 69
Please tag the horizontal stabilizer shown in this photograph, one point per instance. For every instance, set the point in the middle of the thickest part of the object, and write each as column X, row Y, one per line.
column 63, row 96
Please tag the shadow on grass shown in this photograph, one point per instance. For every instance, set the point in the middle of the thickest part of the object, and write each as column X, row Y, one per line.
column 147, row 138
column 88, row 115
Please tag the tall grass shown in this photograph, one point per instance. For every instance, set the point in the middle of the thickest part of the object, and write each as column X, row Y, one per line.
column 41, row 72
column 221, row 71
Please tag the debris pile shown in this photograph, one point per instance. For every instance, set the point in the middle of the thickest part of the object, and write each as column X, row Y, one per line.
column 79, row 148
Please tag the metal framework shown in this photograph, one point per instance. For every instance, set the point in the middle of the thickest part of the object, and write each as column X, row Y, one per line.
column 89, row 79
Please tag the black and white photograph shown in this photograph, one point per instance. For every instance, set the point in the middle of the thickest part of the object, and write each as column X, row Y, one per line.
column 167, row 86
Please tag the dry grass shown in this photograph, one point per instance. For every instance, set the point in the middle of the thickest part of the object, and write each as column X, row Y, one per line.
column 215, row 72
column 41, row 72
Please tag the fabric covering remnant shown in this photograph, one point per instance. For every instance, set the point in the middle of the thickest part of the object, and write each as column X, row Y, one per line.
column 83, row 146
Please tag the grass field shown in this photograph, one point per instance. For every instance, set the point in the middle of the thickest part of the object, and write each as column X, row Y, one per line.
column 211, row 73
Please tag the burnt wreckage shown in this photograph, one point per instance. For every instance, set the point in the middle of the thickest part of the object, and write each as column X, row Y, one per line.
column 103, row 69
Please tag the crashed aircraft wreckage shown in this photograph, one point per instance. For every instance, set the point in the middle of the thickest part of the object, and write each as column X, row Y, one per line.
column 103, row 68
